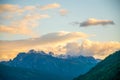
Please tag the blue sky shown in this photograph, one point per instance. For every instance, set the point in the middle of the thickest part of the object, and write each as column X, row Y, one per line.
column 78, row 10
column 75, row 27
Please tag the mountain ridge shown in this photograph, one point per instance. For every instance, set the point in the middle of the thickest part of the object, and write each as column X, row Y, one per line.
column 48, row 63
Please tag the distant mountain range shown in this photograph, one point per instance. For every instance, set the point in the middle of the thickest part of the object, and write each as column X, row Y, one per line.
column 108, row 69
column 37, row 65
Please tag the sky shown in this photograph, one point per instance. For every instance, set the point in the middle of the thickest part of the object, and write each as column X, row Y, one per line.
column 75, row 27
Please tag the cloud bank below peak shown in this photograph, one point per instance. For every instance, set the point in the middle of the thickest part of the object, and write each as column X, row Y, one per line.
column 60, row 43
column 49, row 42
column 97, row 49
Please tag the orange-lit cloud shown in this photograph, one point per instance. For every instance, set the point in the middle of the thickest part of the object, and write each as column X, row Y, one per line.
column 22, row 19
column 93, row 21
column 50, row 6
column 63, row 12
column 59, row 43
column 18, row 22
column 18, row 9
column 10, row 8
column 15, row 30
column 29, row 8
column 23, row 26
column 92, row 48
column 50, row 42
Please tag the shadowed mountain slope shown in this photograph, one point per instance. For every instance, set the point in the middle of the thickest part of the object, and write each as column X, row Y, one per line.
column 108, row 69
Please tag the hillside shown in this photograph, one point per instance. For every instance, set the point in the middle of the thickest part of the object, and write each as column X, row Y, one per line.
column 108, row 69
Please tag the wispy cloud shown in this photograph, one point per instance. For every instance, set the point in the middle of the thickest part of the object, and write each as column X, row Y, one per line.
column 16, row 30
column 29, row 8
column 20, row 9
column 50, row 6
column 23, row 26
column 22, row 19
column 94, row 22
column 63, row 12
column 18, row 22
column 10, row 8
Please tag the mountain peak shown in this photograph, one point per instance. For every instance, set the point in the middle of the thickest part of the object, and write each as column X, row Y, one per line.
column 32, row 51
column 48, row 63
